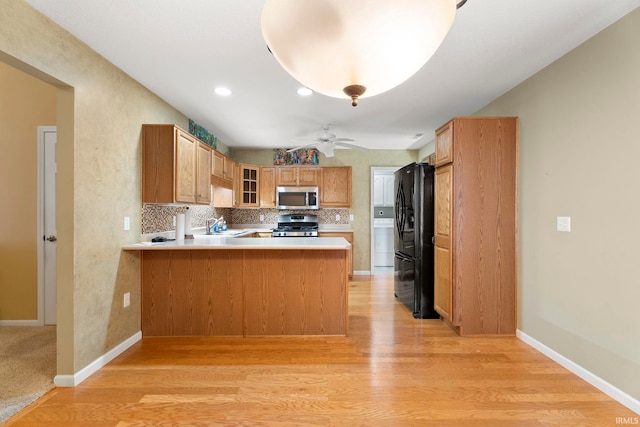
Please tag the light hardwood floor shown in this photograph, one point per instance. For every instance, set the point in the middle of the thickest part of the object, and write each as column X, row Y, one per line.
column 391, row 370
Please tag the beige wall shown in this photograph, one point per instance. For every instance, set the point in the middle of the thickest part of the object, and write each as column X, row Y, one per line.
column 428, row 149
column 361, row 163
column 579, row 292
column 25, row 103
column 100, row 111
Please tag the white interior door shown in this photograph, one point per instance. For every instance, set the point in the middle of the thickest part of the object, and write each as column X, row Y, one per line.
column 47, row 300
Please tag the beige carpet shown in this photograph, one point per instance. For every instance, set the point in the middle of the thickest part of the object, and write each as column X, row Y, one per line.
column 27, row 366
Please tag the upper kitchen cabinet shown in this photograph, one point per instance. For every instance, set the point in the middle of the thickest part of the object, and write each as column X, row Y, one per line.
column 335, row 187
column 223, row 179
column 176, row 167
column 444, row 149
column 223, row 169
column 303, row 176
column 268, row 187
column 249, row 181
column 475, row 224
column 203, row 173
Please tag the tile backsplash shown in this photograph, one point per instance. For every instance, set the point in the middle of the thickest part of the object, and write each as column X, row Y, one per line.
column 159, row 218
column 252, row 216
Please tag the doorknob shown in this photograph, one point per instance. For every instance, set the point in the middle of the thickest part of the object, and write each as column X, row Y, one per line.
column 50, row 238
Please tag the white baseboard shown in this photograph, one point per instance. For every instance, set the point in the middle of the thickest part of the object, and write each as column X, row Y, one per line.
column 362, row 273
column 93, row 367
column 20, row 323
column 608, row 389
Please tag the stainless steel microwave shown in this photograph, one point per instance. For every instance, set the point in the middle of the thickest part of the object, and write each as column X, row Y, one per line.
column 297, row 197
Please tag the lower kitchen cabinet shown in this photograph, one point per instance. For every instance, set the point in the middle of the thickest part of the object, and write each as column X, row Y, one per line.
column 227, row 292
column 348, row 236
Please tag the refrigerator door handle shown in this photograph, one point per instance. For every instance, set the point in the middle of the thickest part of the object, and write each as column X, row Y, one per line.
column 399, row 210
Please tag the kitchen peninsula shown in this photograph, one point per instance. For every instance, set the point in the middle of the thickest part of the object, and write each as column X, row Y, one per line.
column 235, row 286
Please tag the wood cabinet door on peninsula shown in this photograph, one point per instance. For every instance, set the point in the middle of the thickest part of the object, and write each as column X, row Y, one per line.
column 174, row 166
column 335, row 187
column 348, row 236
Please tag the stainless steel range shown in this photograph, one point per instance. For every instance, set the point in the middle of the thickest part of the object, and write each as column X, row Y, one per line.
column 296, row 225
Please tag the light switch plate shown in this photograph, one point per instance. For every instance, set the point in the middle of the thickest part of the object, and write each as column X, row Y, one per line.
column 351, row 217
column 127, row 299
column 563, row 223
column 127, row 223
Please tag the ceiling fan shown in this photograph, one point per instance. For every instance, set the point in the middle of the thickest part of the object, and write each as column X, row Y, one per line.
column 326, row 143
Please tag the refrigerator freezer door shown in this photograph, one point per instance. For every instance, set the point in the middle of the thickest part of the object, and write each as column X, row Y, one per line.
column 404, row 281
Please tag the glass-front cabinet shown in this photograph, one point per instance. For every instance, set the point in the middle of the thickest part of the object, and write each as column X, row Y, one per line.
column 249, row 184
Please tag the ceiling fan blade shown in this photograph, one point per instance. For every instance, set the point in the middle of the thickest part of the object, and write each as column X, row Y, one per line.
column 344, row 144
column 342, row 139
column 300, row 147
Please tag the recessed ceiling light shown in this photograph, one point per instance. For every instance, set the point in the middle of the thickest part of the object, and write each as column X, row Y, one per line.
column 304, row 91
column 222, row 91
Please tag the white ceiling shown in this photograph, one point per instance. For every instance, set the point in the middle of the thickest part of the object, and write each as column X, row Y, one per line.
column 182, row 49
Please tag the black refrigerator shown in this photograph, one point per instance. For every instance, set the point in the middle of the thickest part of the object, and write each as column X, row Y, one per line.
column 413, row 239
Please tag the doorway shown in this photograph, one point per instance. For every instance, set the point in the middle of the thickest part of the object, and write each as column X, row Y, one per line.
column 47, row 169
column 382, row 222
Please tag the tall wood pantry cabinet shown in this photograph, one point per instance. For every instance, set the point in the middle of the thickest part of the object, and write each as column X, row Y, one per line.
column 475, row 224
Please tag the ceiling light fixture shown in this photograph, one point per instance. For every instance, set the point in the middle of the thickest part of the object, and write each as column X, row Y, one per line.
column 304, row 91
column 355, row 48
column 222, row 91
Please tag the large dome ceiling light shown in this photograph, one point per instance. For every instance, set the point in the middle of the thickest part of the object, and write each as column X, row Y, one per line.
column 355, row 48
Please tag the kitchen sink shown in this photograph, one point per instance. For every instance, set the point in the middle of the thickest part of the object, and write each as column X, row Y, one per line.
column 228, row 233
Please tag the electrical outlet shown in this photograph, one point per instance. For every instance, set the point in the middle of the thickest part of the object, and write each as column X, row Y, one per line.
column 261, row 218
column 127, row 299
column 351, row 217
column 127, row 223
column 174, row 220
column 337, row 217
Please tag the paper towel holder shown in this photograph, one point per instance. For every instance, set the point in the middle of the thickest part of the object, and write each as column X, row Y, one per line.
column 187, row 217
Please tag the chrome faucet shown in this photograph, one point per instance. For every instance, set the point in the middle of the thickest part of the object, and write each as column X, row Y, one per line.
column 211, row 223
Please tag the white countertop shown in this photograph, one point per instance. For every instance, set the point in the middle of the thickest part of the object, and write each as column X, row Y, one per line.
column 230, row 240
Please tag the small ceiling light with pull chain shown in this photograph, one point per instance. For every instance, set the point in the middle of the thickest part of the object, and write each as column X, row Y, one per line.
column 357, row 48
